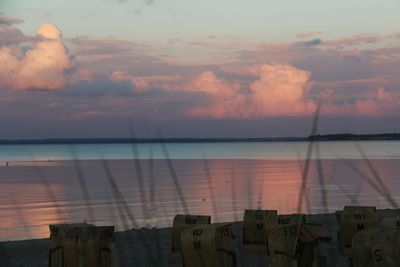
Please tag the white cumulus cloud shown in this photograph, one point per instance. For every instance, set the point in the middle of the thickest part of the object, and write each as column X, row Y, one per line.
column 42, row 67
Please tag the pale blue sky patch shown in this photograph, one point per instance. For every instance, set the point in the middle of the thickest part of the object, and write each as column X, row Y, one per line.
column 258, row 20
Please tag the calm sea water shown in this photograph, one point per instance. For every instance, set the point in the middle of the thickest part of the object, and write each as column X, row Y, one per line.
column 41, row 183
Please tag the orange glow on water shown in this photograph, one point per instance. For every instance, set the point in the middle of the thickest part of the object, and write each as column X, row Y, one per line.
column 27, row 207
column 26, row 211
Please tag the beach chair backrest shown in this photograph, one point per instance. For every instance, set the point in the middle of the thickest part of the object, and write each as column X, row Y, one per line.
column 72, row 245
column 253, row 225
column 82, row 245
column 376, row 248
column 273, row 222
column 99, row 246
column 208, row 246
column 352, row 220
column 182, row 222
column 282, row 245
column 58, row 231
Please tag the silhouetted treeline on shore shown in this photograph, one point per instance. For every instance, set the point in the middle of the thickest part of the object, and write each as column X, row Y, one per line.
column 327, row 137
column 355, row 137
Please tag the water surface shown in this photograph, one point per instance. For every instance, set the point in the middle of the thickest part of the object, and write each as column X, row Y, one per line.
column 41, row 186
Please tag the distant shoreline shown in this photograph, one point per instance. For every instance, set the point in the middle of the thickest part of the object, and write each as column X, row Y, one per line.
column 327, row 137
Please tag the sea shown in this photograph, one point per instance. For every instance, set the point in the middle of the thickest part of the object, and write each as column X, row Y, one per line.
column 147, row 184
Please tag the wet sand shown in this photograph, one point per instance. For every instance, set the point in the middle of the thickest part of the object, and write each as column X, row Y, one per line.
column 132, row 252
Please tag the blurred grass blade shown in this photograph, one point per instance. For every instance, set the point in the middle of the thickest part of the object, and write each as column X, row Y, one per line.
column 82, row 183
column 210, row 188
column 174, row 176
column 139, row 174
column 304, row 177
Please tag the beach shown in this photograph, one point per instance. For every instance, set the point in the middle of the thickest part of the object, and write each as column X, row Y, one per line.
column 132, row 252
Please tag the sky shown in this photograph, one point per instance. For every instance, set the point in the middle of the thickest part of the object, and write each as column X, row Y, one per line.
column 225, row 68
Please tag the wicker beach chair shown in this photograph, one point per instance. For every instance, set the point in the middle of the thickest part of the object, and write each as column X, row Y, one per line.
column 82, row 245
column 180, row 223
column 208, row 246
column 352, row 220
column 253, row 228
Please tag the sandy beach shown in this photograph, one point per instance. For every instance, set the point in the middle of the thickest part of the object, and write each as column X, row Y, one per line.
column 132, row 252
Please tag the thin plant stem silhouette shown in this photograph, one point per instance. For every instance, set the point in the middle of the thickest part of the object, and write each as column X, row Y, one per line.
column 139, row 174
column 377, row 177
column 234, row 195
column 308, row 160
column 174, row 176
column 117, row 194
column 301, row 169
column 151, row 181
column 121, row 200
column 260, row 191
column 156, row 237
column 49, row 191
column 249, row 190
column 21, row 218
column 352, row 196
column 370, row 182
column 210, row 188
column 321, row 178
column 82, row 182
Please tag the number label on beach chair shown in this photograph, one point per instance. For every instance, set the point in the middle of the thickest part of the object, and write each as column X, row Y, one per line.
column 208, row 245
column 376, row 248
column 352, row 220
column 282, row 245
column 180, row 223
column 273, row 222
column 253, row 228
column 291, row 219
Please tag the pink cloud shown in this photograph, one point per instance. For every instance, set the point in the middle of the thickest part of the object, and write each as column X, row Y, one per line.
column 208, row 82
column 279, row 91
column 383, row 103
column 242, row 69
column 42, row 67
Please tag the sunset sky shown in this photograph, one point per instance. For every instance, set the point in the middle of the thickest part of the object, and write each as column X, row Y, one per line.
column 226, row 68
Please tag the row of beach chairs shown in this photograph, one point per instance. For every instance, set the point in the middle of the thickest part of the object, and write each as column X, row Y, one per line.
column 286, row 240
